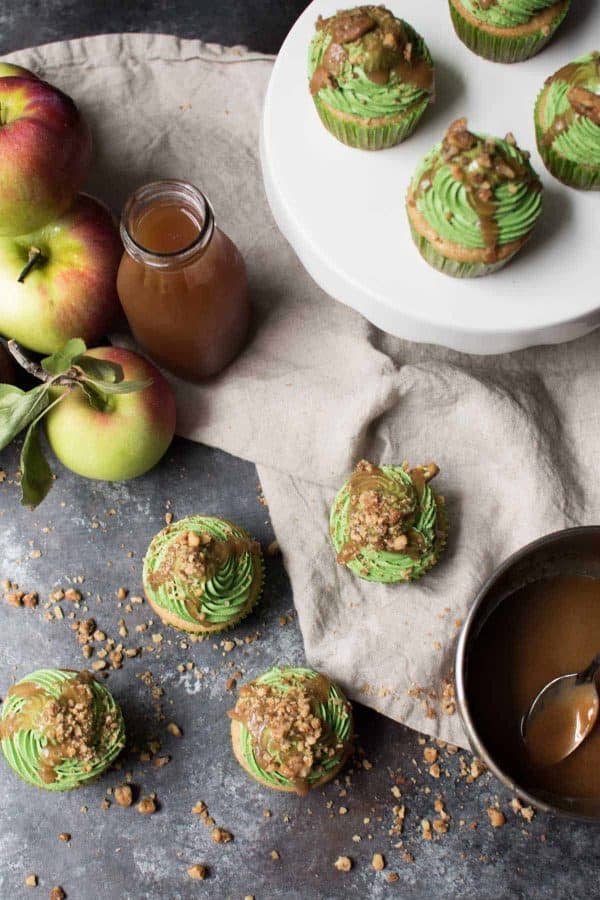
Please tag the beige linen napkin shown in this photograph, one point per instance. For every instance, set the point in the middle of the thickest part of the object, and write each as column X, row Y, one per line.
column 516, row 436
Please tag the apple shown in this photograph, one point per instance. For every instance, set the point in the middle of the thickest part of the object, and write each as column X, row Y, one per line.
column 125, row 439
column 70, row 289
column 10, row 70
column 45, row 151
column 7, row 370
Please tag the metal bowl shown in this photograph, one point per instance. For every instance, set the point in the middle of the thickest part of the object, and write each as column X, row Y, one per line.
column 575, row 551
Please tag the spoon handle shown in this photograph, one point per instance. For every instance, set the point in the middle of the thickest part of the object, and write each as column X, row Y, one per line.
column 589, row 673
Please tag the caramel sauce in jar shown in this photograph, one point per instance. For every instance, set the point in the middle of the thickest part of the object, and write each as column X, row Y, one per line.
column 182, row 282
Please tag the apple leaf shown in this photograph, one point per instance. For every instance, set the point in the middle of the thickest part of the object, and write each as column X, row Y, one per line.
column 63, row 359
column 18, row 409
column 36, row 475
column 100, row 369
column 123, row 387
column 96, row 398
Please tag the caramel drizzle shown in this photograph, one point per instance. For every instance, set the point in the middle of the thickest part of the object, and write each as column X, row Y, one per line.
column 577, row 75
column 36, row 698
column 457, row 139
column 316, row 690
column 218, row 552
column 352, row 26
column 362, row 481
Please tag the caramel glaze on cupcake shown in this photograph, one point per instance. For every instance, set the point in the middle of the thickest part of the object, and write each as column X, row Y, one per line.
column 291, row 729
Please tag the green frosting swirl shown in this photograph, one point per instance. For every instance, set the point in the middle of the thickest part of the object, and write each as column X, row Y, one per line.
column 423, row 522
column 24, row 749
column 559, row 126
column 231, row 586
column 507, row 13
column 353, row 92
column 448, row 205
column 335, row 712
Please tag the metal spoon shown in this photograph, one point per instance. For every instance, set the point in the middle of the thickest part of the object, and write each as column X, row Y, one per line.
column 562, row 716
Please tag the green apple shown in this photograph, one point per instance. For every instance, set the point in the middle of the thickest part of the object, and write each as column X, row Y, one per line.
column 70, row 289
column 45, row 152
column 127, row 437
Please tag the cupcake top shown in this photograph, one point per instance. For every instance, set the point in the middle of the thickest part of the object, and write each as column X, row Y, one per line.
column 387, row 524
column 295, row 727
column 203, row 570
column 368, row 63
column 60, row 729
column 506, row 13
column 477, row 191
column 569, row 111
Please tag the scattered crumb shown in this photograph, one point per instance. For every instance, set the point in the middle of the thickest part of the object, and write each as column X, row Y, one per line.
column 220, row 836
column 147, row 806
column 124, row 795
column 197, row 872
column 496, row 817
column 343, row 864
column 378, row 862
column 31, row 881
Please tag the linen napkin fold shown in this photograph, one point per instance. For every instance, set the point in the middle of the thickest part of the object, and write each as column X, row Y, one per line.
column 516, row 436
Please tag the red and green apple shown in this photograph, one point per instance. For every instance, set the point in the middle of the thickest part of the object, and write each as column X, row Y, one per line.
column 70, row 287
column 45, row 151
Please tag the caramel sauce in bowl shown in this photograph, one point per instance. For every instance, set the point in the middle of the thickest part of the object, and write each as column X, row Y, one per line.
column 535, row 619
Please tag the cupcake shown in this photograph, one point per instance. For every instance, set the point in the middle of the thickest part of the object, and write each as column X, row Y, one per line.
column 291, row 729
column 371, row 77
column 473, row 202
column 60, row 729
column 567, row 123
column 203, row 574
column 387, row 524
column 507, row 31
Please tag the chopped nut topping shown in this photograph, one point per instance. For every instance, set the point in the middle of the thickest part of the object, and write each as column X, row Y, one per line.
column 298, row 738
column 64, row 836
column 31, row 881
column 57, row 893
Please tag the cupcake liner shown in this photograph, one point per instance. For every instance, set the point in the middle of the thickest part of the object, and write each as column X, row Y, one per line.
column 500, row 48
column 370, row 137
column 453, row 267
column 565, row 170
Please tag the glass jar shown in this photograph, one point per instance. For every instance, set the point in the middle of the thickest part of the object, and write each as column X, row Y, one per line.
column 182, row 282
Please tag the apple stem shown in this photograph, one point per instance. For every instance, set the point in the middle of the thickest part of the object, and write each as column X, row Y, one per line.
column 34, row 368
column 35, row 256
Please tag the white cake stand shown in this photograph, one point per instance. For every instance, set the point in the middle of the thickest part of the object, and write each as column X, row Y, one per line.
column 343, row 210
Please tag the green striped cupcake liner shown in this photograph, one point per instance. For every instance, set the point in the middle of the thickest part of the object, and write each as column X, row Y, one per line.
column 572, row 174
column 23, row 750
column 499, row 48
column 370, row 137
column 454, row 267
